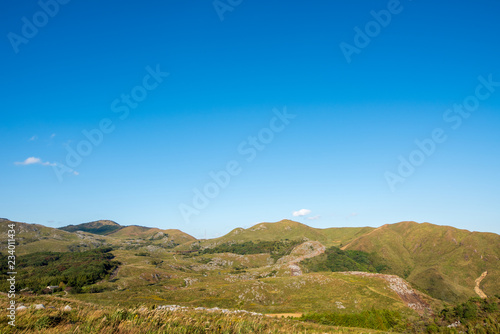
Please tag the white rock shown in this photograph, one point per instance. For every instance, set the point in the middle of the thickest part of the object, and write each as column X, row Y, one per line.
column 39, row 307
column 67, row 308
column 21, row 308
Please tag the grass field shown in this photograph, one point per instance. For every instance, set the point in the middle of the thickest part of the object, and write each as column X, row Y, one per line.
column 88, row 318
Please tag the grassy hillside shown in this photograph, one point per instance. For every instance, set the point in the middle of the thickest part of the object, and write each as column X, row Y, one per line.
column 254, row 282
column 88, row 318
column 442, row 261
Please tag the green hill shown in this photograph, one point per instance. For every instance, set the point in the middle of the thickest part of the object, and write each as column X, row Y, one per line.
column 291, row 230
column 441, row 260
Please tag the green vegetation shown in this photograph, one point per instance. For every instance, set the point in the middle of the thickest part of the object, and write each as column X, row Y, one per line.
column 475, row 316
column 335, row 259
column 374, row 319
column 277, row 249
column 75, row 270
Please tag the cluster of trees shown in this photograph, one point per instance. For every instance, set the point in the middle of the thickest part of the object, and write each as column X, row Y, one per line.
column 277, row 249
column 335, row 259
column 36, row 271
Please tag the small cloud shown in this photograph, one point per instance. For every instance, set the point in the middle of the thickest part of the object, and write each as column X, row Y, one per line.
column 29, row 161
column 300, row 213
column 314, row 218
column 35, row 137
column 52, row 135
column 76, row 173
column 34, row 161
column 354, row 214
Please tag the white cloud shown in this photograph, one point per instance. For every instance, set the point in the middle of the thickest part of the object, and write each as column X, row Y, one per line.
column 34, row 161
column 35, row 137
column 29, row 161
column 300, row 213
column 52, row 135
column 314, row 218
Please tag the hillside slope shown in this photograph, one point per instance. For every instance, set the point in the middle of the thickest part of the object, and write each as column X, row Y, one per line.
column 291, row 230
column 442, row 261
column 33, row 238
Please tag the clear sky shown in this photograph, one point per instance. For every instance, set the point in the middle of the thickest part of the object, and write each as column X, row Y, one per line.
column 206, row 116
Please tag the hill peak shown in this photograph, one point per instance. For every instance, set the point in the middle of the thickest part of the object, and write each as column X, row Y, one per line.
column 96, row 227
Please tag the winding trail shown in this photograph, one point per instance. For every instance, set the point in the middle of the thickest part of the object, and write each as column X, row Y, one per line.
column 477, row 289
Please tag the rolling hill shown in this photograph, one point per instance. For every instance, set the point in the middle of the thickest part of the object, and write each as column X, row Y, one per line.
column 440, row 260
column 291, row 230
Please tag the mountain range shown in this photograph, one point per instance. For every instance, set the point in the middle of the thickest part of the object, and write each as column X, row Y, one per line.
column 440, row 261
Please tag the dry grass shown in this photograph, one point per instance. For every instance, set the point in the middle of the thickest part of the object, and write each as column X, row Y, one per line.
column 87, row 318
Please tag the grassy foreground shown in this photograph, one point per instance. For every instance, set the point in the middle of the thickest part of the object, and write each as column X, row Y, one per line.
column 88, row 318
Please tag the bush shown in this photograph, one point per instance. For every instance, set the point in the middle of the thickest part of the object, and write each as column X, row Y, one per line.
column 373, row 319
column 335, row 259
column 277, row 249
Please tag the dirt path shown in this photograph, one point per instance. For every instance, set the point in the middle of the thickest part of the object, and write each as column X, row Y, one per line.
column 303, row 251
column 477, row 289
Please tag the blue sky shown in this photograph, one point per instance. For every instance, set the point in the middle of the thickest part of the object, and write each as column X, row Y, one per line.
column 157, row 97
